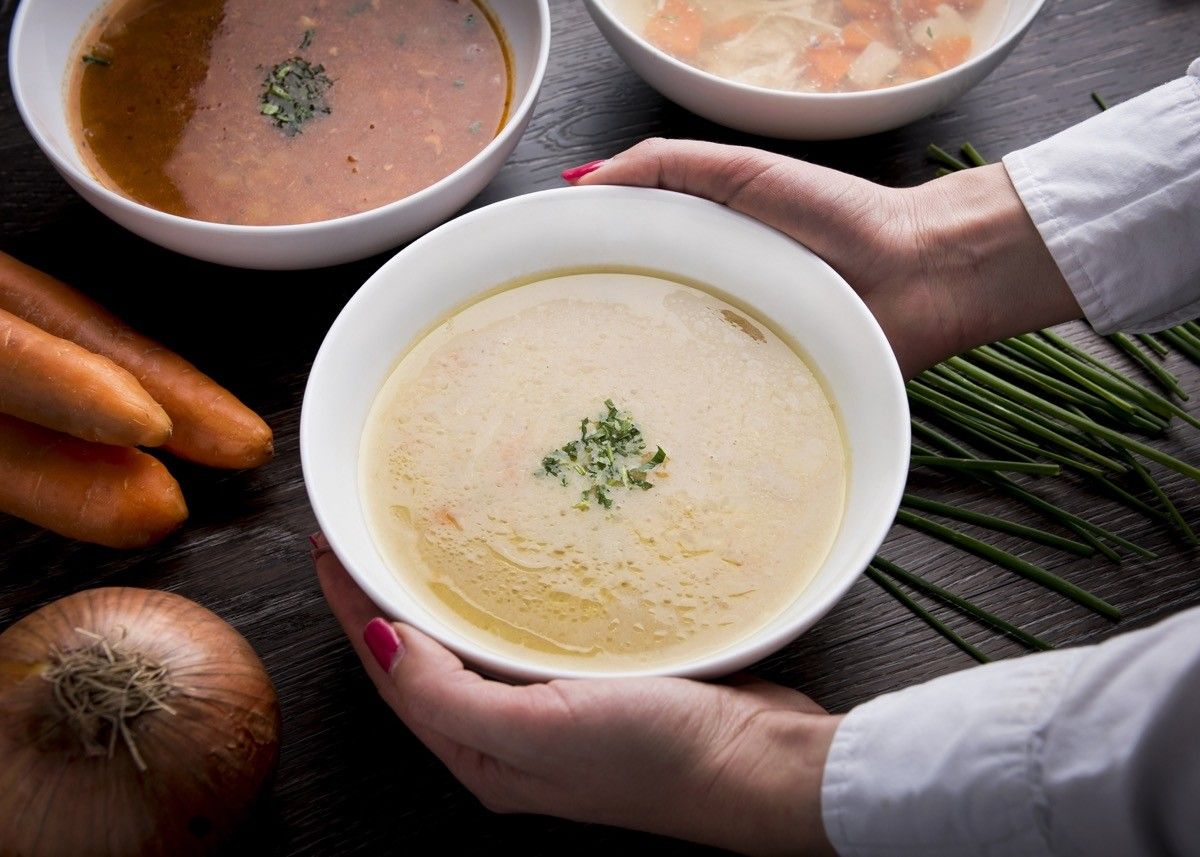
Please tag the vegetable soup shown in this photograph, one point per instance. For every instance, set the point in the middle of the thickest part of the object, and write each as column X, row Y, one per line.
column 245, row 112
column 603, row 471
column 817, row 45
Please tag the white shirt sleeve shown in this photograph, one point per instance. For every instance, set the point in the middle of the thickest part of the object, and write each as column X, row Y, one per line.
column 1117, row 201
column 1087, row 751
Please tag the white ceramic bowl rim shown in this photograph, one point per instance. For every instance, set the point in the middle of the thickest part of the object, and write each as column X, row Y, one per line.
column 740, row 653
column 998, row 45
column 66, row 166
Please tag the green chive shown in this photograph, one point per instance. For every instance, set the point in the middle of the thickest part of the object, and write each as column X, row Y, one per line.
column 1007, row 560
column 918, row 582
column 944, row 463
column 1154, row 344
column 1170, row 508
column 1165, row 378
column 1100, row 102
column 1084, row 423
column 937, row 153
column 972, row 155
column 1181, row 344
column 932, row 621
column 1000, row 525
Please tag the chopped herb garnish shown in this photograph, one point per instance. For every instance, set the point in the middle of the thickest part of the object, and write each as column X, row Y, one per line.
column 92, row 59
column 602, row 458
column 400, row 39
column 459, row 83
column 293, row 93
column 475, row 127
column 470, row 19
column 929, row 32
column 306, row 40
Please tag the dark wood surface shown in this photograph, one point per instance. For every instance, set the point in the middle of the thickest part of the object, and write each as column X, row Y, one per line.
column 351, row 780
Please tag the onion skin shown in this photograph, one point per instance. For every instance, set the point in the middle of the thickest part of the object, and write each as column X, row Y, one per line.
column 207, row 763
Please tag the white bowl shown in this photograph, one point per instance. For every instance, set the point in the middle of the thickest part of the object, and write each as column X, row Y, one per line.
column 44, row 47
column 807, row 115
column 595, row 227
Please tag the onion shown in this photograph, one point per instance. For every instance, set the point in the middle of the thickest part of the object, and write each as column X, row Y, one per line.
column 131, row 722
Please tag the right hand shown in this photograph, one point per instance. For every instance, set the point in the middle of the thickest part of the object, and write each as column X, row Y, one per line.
column 944, row 266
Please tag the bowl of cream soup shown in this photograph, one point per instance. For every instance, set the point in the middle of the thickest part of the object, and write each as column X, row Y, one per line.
column 813, row 69
column 285, row 135
column 605, row 431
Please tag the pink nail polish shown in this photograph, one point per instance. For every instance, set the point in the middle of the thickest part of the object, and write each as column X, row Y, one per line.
column 576, row 173
column 384, row 643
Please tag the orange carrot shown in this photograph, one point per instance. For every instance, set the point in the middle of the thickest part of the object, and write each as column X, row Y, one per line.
column 57, row 384
column 829, row 64
column 950, row 51
column 919, row 68
column 871, row 9
column 862, row 31
column 915, row 10
column 210, row 425
column 115, row 496
column 729, row 28
column 677, row 28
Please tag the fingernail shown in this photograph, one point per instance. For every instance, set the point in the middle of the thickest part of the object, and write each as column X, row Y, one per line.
column 384, row 643
column 320, row 546
column 576, row 173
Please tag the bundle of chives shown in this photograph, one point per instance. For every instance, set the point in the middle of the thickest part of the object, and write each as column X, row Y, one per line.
column 1038, row 404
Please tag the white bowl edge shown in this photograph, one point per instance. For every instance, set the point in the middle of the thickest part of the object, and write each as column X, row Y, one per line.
column 291, row 246
column 327, row 396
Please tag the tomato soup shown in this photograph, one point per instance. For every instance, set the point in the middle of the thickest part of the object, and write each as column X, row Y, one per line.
column 292, row 111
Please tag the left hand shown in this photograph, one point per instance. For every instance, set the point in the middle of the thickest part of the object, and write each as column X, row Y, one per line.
column 737, row 765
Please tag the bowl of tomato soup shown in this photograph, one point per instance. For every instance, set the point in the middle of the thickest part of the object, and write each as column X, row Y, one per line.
column 294, row 134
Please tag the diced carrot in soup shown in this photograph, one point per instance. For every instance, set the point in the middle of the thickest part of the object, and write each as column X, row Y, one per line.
column 861, row 32
column 874, row 9
column 920, row 68
column 951, row 51
column 829, row 64
column 729, row 28
column 914, row 10
column 677, row 28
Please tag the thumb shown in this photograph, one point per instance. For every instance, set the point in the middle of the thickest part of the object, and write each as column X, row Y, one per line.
column 815, row 205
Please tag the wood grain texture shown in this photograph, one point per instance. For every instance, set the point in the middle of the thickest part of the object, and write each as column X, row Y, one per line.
column 351, row 781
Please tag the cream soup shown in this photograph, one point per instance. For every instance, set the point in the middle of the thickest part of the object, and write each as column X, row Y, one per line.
column 603, row 471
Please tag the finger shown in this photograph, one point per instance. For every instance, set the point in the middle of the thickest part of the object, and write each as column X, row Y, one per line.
column 813, row 204
column 428, row 687
column 435, row 690
column 774, row 695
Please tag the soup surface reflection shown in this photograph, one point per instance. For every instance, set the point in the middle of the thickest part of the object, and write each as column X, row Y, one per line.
column 603, row 471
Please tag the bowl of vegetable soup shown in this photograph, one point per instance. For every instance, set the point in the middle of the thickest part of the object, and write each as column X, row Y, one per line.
column 605, row 431
column 813, row 69
column 278, row 135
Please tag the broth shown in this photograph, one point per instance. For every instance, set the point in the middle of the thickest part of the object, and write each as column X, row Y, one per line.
column 245, row 112
column 817, row 45
column 478, row 482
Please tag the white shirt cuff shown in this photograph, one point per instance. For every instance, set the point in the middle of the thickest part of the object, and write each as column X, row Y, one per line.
column 1115, row 200
column 949, row 767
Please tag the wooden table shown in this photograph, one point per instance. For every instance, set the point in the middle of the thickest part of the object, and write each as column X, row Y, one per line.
column 351, row 780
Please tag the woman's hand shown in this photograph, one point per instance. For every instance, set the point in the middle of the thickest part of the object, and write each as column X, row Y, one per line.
column 944, row 266
column 737, row 766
